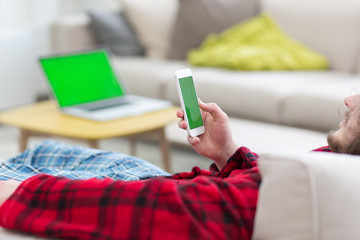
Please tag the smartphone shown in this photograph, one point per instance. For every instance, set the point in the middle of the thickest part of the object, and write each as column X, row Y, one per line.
column 189, row 102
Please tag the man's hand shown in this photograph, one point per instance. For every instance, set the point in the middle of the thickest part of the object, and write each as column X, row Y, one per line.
column 7, row 188
column 216, row 143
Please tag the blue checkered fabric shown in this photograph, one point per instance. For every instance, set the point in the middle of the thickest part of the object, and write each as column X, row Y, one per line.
column 59, row 159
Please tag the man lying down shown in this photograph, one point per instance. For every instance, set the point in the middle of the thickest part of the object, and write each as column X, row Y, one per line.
column 61, row 191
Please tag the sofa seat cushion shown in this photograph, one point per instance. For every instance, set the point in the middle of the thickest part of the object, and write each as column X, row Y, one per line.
column 261, row 137
column 266, row 96
column 309, row 99
column 308, row 196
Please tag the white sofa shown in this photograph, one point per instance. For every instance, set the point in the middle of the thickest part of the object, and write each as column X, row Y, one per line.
column 303, row 195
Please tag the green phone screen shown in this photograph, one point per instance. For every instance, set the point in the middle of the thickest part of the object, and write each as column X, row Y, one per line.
column 81, row 77
column 191, row 102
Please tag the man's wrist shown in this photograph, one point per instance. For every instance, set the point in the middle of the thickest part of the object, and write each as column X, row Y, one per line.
column 225, row 155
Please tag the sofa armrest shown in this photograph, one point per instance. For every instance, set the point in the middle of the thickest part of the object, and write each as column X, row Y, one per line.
column 72, row 32
column 308, row 196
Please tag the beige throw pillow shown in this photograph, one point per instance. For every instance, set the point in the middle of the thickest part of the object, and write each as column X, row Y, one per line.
column 152, row 21
column 196, row 19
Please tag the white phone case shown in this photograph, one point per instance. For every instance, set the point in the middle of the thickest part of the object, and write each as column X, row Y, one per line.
column 182, row 74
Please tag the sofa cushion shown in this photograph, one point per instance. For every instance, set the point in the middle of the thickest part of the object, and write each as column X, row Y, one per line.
column 309, row 99
column 255, row 44
column 261, row 137
column 319, row 102
column 72, row 32
column 112, row 29
column 308, row 196
column 237, row 94
column 147, row 76
column 329, row 27
column 266, row 96
column 152, row 20
column 196, row 19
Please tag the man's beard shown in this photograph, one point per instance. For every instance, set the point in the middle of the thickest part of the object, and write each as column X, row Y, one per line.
column 333, row 142
column 333, row 139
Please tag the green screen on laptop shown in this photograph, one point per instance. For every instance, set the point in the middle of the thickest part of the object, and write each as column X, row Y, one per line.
column 81, row 77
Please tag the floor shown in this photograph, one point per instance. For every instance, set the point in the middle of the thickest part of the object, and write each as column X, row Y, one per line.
column 182, row 158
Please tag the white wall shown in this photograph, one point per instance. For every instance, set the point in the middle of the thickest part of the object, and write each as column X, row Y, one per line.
column 24, row 35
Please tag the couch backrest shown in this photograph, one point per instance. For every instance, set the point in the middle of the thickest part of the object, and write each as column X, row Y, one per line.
column 330, row 27
column 170, row 28
column 152, row 21
column 308, row 196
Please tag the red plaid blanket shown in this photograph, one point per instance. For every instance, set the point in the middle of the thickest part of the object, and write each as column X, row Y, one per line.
column 201, row 204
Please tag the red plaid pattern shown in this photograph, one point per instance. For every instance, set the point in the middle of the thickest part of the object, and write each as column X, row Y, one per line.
column 197, row 205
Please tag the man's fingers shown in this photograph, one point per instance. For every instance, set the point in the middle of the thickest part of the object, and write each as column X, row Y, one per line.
column 193, row 140
column 212, row 108
column 182, row 124
column 180, row 114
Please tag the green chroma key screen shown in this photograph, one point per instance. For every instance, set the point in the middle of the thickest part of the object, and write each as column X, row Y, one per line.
column 191, row 102
column 81, row 77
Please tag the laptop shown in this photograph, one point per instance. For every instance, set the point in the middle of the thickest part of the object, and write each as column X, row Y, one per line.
column 85, row 85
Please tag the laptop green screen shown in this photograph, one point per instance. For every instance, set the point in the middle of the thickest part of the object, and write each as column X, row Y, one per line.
column 83, row 77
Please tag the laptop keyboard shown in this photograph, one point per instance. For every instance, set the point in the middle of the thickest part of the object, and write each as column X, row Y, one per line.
column 108, row 106
column 96, row 106
column 131, row 106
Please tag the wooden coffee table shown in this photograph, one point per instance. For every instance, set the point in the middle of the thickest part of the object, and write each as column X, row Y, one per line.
column 44, row 119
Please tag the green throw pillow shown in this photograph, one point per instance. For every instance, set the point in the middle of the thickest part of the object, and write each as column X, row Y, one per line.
column 256, row 44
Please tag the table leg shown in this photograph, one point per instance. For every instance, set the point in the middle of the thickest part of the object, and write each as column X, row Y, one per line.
column 23, row 139
column 165, row 150
column 132, row 145
column 93, row 143
column 164, row 147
